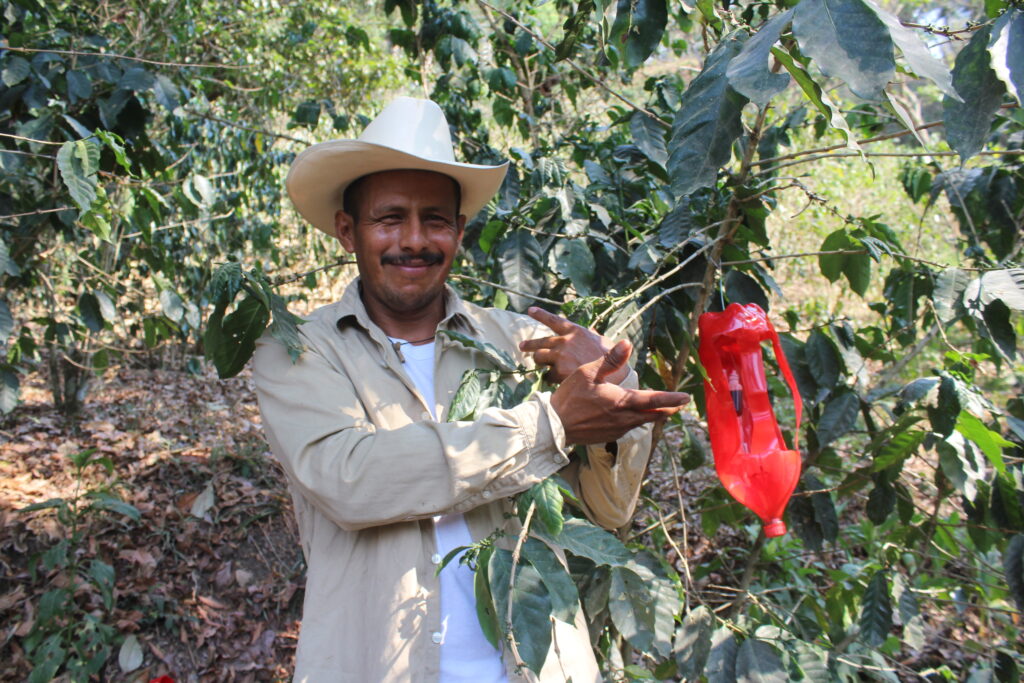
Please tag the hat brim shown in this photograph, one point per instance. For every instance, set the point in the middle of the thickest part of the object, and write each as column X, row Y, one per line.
column 319, row 175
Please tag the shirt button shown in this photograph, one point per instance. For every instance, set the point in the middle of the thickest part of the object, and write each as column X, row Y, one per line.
column 486, row 494
column 437, row 637
column 436, row 558
column 425, row 415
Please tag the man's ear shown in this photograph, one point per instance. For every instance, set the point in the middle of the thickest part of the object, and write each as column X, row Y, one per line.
column 461, row 222
column 344, row 230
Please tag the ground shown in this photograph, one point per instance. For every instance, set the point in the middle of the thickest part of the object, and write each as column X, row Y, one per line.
column 209, row 578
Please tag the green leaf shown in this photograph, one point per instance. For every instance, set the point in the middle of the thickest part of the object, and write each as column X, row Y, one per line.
column 129, row 657
column 1006, row 285
column 876, row 610
column 943, row 415
column 822, row 359
column 997, row 326
column 1013, row 569
column 573, row 29
column 499, row 358
column 1006, row 52
column 818, row 97
column 582, row 538
column 78, row 162
column 846, row 39
column 137, row 79
column 108, row 502
column 520, row 260
column 485, row 612
column 857, row 269
column 693, row 642
column 549, row 505
column 968, row 121
column 531, row 607
column 757, row 662
column 466, row 397
column 6, row 322
column 749, row 73
column 990, row 442
column 838, row 417
column 639, row 24
column 881, row 501
column 895, row 450
column 721, row 666
column 915, row 52
column 649, row 136
column 79, row 86
column 226, row 282
column 629, row 604
column 44, row 505
column 15, row 70
column 741, row 288
column 230, row 341
column 7, row 264
column 284, row 325
column 949, row 285
column 102, row 576
column 9, row 386
column 89, row 309
column 565, row 598
column 116, row 145
column 574, row 261
column 707, row 123
column 172, row 305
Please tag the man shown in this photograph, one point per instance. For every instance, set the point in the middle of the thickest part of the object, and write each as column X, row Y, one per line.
column 383, row 484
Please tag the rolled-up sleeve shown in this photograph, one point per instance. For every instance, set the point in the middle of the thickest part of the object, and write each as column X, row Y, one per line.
column 361, row 476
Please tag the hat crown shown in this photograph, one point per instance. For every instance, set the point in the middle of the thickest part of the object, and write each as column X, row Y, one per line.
column 413, row 126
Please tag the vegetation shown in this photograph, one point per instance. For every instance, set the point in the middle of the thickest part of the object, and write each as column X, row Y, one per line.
column 668, row 159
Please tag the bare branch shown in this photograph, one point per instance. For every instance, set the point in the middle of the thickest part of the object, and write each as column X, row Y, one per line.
column 111, row 55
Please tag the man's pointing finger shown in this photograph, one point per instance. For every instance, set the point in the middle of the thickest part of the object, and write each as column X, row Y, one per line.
column 555, row 322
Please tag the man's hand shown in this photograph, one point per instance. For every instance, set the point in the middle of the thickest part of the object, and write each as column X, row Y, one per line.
column 594, row 410
column 571, row 347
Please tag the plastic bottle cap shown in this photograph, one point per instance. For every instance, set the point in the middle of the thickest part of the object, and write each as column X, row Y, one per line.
column 775, row 527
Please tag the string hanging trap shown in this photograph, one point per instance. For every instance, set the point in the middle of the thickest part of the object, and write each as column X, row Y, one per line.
column 751, row 457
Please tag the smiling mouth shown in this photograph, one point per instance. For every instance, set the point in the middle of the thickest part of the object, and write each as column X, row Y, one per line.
column 422, row 260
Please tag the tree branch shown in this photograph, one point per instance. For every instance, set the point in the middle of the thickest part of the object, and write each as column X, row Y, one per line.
column 111, row 55
column 577, row 67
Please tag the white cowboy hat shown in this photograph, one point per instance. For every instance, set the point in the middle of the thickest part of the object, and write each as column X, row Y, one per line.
column 408, row 134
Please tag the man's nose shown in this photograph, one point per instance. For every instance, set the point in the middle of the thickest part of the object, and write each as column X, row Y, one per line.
column 413, row 236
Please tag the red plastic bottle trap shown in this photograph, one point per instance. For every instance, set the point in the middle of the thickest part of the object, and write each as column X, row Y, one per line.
column 751, row 457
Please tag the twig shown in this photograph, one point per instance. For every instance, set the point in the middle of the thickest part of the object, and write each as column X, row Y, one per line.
column 831, row 148
column 232, row 124
column 1008, row 152
column 512, row 582
column 24, row 139
column 112, row 55
column 643, row 309
column 293, row 278
column 576, row 66
column 667, row 274
column 748, row 575
column 182, row 224
column 35, row 213
column 853, row 252
column 460, row 276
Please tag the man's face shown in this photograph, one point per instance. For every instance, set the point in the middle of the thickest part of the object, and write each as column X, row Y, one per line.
column 404, row 238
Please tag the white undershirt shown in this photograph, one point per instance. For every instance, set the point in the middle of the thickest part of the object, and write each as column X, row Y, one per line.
column 466, row 656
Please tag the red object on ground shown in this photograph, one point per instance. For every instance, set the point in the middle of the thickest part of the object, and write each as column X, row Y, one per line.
column 162, row 679
column 751, row 457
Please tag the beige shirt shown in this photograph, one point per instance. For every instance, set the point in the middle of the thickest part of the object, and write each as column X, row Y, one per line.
column 368, row 469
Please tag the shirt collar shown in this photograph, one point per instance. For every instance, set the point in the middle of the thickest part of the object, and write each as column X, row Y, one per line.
column 351, row 309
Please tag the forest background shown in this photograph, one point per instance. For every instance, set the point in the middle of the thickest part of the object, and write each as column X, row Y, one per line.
column 853, row 168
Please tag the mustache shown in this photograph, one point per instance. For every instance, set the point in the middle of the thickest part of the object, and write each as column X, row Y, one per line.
column 429, row 258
